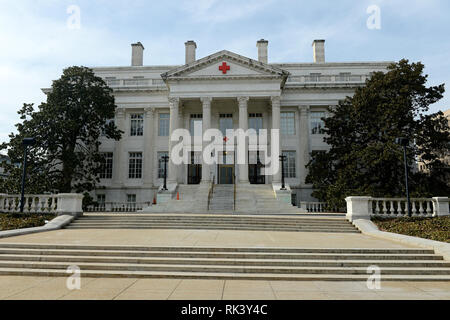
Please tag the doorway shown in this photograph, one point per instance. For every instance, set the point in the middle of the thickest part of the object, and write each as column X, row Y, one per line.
column 226, row 174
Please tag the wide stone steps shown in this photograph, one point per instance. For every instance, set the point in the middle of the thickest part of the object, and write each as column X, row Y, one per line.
column 334, row 264
column 215, row 222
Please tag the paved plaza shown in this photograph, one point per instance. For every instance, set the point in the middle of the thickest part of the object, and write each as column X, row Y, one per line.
column 25, row 287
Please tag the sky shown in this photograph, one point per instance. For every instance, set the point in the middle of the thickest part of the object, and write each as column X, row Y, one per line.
column 39, row 38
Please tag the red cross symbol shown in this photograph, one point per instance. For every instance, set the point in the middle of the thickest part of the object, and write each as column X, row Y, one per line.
column 224, row 68
column 225, row 139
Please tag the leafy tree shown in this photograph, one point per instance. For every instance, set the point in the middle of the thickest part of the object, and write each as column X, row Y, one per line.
column 67, row 128
column 364, row 159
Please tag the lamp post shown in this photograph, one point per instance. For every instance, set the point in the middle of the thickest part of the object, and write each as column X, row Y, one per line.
column 165, row 159
column 404, row 143
column 282, row 159
column 26, row 143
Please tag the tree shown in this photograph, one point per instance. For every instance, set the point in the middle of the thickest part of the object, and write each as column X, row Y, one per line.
column 363, row 158
column 67, row 128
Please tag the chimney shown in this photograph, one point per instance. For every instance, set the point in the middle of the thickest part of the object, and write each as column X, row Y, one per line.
column 190, row 51
column 262, row 50
column 137, row 54
column 319, row 51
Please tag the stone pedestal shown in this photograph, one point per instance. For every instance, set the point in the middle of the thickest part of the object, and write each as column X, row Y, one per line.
column 358, row 208
column 70, row 204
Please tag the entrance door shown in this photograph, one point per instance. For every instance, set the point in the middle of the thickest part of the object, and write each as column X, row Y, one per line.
column 194, row 173
column 194, row 169
column 226, row 174
column 254, row 174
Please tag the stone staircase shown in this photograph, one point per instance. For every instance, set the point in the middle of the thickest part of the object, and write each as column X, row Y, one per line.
column 249, row 263
column 193, row 198
column 254, row 198
column 222, row 198
column 303, row 223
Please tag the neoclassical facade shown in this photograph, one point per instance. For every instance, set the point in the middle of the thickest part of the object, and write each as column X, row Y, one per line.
column 224, row 91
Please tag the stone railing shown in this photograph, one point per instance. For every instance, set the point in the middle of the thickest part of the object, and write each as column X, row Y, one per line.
column 134, row 82
column 63, row 203
column 366, row 207
column 328, row 79
column 118, row 207
column 313, row 206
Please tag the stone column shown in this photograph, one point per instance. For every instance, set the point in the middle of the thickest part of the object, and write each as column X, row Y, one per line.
column 303, row 146
column 243, row 124
column 206, row 124
column 275, row 100
column 174, row 109
column 180, row 124
column 148, row 146
column 119, row 155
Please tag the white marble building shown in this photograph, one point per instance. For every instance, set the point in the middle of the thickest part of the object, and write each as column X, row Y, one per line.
column 223, row 90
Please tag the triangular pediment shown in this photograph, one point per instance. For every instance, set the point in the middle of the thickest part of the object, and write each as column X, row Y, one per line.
column 225, row 64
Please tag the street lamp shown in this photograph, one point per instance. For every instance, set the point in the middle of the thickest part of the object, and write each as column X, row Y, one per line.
column 26, row 143
column 404, row 143
column 165, row 159
column 282, row 159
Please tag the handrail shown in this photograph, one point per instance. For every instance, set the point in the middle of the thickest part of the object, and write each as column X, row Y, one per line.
column 210, row 193
column 234, row 195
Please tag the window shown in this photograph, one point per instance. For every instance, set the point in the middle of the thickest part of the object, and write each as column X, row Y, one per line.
column 108, row 122
column 289, row 164
column 135, row 165
column 314, row 77
column 107, row 166
column 255, row 121
column 101, row 199
column 196, row 119
column 317, row 124
column 225, row 123
column 137, row 125
column 161, row 164
column 131, row 198
column 287, row 123
column 344, row 76
column 164, row 124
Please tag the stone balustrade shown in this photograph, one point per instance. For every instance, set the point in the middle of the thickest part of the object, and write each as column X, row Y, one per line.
column 366, row 207
column 144, row 82
column 59, row 204
column 314, row 206
column 118, row 207
column 328, row 78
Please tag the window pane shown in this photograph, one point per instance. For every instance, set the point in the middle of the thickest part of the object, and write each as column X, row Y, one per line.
column 289, row 164
column 287, row 123
column 316, row 122
column 255, row 121
column 164, row 124
column 107, row 166
column 225, row 123
column 135, row 165
column 196, row 119
column 137, row 125
column 161, row 165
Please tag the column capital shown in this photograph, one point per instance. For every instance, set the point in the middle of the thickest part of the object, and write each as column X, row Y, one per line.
column 174, row 102
column 243, row 101
column 120, row 112
column 206, row 101
column 275, row 101
column 304, row 109
column 149, row 111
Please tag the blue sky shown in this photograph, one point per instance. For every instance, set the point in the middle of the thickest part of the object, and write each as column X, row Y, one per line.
column 37, row 43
